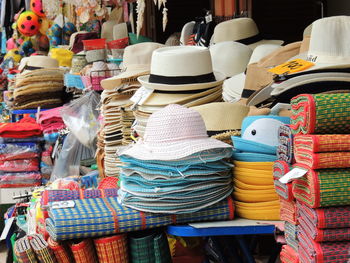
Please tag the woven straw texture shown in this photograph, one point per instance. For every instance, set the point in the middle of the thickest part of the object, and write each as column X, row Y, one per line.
column 291, row 235
column 61, row 251
column 84, row 252
column 312, row 114
column 323, row 143
column 105, row 216
column 323, row 188
column 285, row 147
column 112, row 249
column 42, row 249
column 24, row 251
column 285, row 191
column 289, row 211
column 288, row 255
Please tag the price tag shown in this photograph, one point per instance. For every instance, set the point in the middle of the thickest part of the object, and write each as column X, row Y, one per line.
column 62, row 204
column 292, row 66
column 208, row 18
column 141, row 95
column 7, row 228
column 293, row 174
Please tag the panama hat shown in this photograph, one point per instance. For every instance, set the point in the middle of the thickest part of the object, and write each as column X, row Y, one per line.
column 243, row 30
column 136, row 62
column 181, row 68
column 173, row 133
column 120, row 31
column 259, row 134
column 230, row 57
column 37, row 62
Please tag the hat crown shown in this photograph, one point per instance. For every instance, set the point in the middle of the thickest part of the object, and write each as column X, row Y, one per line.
column 181, row 61
column 139, row 54
column 330, row 40
column 174, row 123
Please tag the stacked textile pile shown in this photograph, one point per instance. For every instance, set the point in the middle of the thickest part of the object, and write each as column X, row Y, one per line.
column 38, row 88
column 170, row 170
column 321, row 148
column 51, row 121
column 127, row 121
column 255, row 151
column 20, row 153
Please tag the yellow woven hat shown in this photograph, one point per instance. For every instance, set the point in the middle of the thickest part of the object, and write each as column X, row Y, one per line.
column 245, row 186
column 258, row 205
column 268, row 214
column 254, row 180
column 254, row 165
column 251, row 198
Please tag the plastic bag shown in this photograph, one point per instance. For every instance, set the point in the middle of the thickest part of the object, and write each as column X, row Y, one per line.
column 27, row 165
column 68, row 162
column 11, row 180
column 15, row 151
column 80, row 116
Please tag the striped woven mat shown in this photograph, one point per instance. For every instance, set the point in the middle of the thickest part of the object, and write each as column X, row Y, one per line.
column 288, row 255
column 285, row 191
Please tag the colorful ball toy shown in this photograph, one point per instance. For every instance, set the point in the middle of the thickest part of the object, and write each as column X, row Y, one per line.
column 28, row 23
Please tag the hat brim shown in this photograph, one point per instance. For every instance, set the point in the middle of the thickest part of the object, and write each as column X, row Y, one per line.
column 253, row 157
column 234, row 86
column 266, row 41
column 144, row 80
column 172, row 150
column 253, row 147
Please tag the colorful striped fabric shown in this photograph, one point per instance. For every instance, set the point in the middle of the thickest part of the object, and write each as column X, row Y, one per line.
column 84, row 252
column 24, row 251
column 330, row 252
column 289, row 211
column 323, row 188
column 319, row 143
column 322, row 160
column 291, row 235
column 288, row 255
column 329, row 217
column 149, row 248
column 105, row 216
column 285, row 147
column 280, row 168
column 112, row 249
column 321, row 114
column 61, row 251
column 42, row 249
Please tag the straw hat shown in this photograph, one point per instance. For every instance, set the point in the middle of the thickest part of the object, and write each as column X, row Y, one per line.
column 186, row 32
column 37, row 62
column 173, row 133
column 120, row 31
column 181, row 68
column 222, row 116
column 136, row 62
column 243, row 30
column 230, row 57
column 107, row 30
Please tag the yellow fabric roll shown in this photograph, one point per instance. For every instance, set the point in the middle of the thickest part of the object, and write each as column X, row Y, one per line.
column 254, row 165
column 245, row 186
column 268, row 214
column 254, row 180
column 243, row 197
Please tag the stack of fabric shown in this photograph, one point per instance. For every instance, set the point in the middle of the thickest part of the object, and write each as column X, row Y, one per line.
column 20, row 153
column 51, row 120
column 38, row 88
column 255, row 151
column 169, row 171
column 321, row 148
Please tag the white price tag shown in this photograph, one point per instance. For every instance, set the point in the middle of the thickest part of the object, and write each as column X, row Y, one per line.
column 208, row 18
column 293, row 174
column 62, row 204
column 141, row 95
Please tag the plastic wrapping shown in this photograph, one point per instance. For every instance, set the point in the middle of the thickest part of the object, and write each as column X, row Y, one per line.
column 15, row 151
column 80, row 116
column 28, row 165
column 12, row 180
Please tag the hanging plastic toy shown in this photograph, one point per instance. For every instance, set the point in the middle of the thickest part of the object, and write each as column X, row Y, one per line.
column 37, row 7
column 28, row 23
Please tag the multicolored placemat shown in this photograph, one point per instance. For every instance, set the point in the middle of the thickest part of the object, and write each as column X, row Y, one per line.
column 104, row 216
column 321, row 114
column 285, row 147
column 323, row 188
column 24, row 251
column 289, row 211
column 113, row 249
column 280, row 168
column 322, row 160
column 319, row 143
column 288, row 255
column 42, row 249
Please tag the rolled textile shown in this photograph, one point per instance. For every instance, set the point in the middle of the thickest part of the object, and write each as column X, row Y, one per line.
column 105, row 216
column 113, row 249
column 291, row 235
column 313, row 252
column 319, row 143
column 24, row 251
column 322, row 160
column 330, row 217
column 288, row 255
column 280, row 168
column 84, row 252
column 289, row 211
column 323, row 188
column 149, row 248
column 61, row 251
column 312, row 113
column 285, row 147
column 42, row 249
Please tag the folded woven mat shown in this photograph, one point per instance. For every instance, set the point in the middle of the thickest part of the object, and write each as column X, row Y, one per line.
column 291, row 235
column 105, row 216
column 280, row 168
column 288, row 255
column 313, row 252
column 319, row 143
column 289, row 211
column 285, row 147
column 84, row 251
column 42, row 249
column 113, row 249
column 321, row 114
column 323, row 188
column 24, row 251
column 322, row 160
column 62, row 253
column 328, row 217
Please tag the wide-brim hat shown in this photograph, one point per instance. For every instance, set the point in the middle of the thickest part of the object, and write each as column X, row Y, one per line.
column 37, row 62
column 233, row 88
column 173, row 133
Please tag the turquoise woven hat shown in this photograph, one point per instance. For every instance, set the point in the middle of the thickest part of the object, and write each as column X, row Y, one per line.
column 259, row 134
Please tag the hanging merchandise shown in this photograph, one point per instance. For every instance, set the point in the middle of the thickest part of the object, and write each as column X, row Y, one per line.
column 51, row 8
column 37, row 7
column 28, row 23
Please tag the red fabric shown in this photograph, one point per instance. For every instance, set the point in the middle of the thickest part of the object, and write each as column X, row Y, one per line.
column 288, row 255
column 20, row 156
column 28, row 165
column 25, row 128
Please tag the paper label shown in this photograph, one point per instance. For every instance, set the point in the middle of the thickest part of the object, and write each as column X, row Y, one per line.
column 292, row 66
column 208, row 18
column 7, row 228
column 62, row 204
column 293, row 174
column 141, row 95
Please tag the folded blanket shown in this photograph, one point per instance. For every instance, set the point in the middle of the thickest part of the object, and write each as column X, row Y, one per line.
column 288, row 255
column 42, row 249
column 285, row 147
column 289, row 211
column 330, row 217
column 323, row 143
column 13, row 180
column 84, row 252
column 322, row 188
column 61, row 251
column 312, row 114
column 24, row 251
column 26, row 127
column 105, row 216
column 313, row 252
column 280, row 168
column 291, row 235
column 112, row 249
column 27, row 165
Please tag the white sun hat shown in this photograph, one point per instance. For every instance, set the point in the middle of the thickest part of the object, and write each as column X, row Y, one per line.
column 181, row 68
column 173, row 133
column 243, row 30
